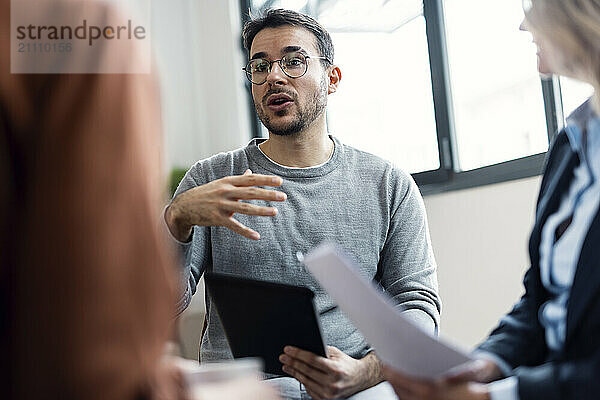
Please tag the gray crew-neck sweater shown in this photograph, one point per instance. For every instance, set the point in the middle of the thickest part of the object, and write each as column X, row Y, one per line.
column 370, row 208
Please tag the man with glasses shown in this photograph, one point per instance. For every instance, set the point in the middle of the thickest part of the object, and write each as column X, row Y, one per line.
column 323, row 190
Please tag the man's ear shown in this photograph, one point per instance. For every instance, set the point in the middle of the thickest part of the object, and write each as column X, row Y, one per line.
column 334, row 77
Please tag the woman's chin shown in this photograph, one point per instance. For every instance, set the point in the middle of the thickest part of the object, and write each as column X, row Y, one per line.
column 543, row 69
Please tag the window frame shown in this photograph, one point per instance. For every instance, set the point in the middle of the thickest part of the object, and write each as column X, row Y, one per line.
column 447, row 177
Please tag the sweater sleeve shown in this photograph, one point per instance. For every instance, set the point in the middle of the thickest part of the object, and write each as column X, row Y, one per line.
column 195, row 255
column 407, row 265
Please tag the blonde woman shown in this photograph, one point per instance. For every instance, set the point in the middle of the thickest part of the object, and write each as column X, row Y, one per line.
column 548, row 346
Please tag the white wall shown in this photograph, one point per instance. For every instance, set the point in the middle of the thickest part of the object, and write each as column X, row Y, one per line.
column 199, row 61
column 480, row 242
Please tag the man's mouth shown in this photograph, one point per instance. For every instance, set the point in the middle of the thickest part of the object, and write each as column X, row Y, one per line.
column 280, row 101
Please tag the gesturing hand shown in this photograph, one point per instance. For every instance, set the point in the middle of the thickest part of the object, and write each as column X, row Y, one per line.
column 338, row 375
column 215, row 203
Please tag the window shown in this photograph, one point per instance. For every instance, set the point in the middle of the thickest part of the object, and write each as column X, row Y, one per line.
column 497, row 93
column 446, row 89
column 371, row 43
column 573, row 94
column 384, row 104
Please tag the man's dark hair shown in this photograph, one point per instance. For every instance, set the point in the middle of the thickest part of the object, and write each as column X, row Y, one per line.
column 273, row 18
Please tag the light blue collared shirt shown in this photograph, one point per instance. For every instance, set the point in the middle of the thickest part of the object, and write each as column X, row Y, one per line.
column 558, row 259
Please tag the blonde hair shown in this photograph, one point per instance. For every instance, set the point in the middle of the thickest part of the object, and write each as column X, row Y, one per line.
column 573, row 27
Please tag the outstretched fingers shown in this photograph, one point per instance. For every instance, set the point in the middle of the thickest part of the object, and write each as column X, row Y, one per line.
column 249, row 179
column 250, row 209
column 241, row 229
column 254, row 193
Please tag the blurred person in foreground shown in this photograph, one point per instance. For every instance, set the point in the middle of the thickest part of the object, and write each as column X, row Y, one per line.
column 548, row 346
column 86, row 282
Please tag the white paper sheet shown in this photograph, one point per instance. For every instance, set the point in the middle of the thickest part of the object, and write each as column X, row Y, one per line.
column 398, row 342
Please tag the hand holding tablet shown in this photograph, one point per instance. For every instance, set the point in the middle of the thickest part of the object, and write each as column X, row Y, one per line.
column 261, row 318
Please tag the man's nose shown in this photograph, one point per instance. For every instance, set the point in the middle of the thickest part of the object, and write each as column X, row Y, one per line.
column 276, row 75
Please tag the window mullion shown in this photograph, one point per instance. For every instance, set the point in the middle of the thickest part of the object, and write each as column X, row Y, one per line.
column 256, row 132
column 552, row 106
column 440, row 79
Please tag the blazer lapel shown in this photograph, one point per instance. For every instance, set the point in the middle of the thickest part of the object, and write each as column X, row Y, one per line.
column 587, row 278
column 550, row 200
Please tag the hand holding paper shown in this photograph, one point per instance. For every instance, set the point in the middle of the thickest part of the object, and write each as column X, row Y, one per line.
column 398, row 342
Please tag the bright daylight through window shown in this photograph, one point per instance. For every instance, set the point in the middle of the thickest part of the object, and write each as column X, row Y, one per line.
column 573, row 94
column 493, row 110
column 498, row 101
column 384, row 104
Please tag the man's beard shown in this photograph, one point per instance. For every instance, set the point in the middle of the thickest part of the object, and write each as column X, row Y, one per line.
column 304, row 117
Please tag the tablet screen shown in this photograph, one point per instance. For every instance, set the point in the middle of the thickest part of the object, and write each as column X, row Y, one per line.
column 261, row 318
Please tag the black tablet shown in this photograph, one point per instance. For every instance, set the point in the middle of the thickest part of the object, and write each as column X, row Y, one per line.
column 261, row 318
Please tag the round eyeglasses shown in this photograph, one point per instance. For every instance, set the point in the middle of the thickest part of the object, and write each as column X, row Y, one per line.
column 293, row 65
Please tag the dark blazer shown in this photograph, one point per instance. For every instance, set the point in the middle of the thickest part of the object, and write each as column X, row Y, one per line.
column 519, row 339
